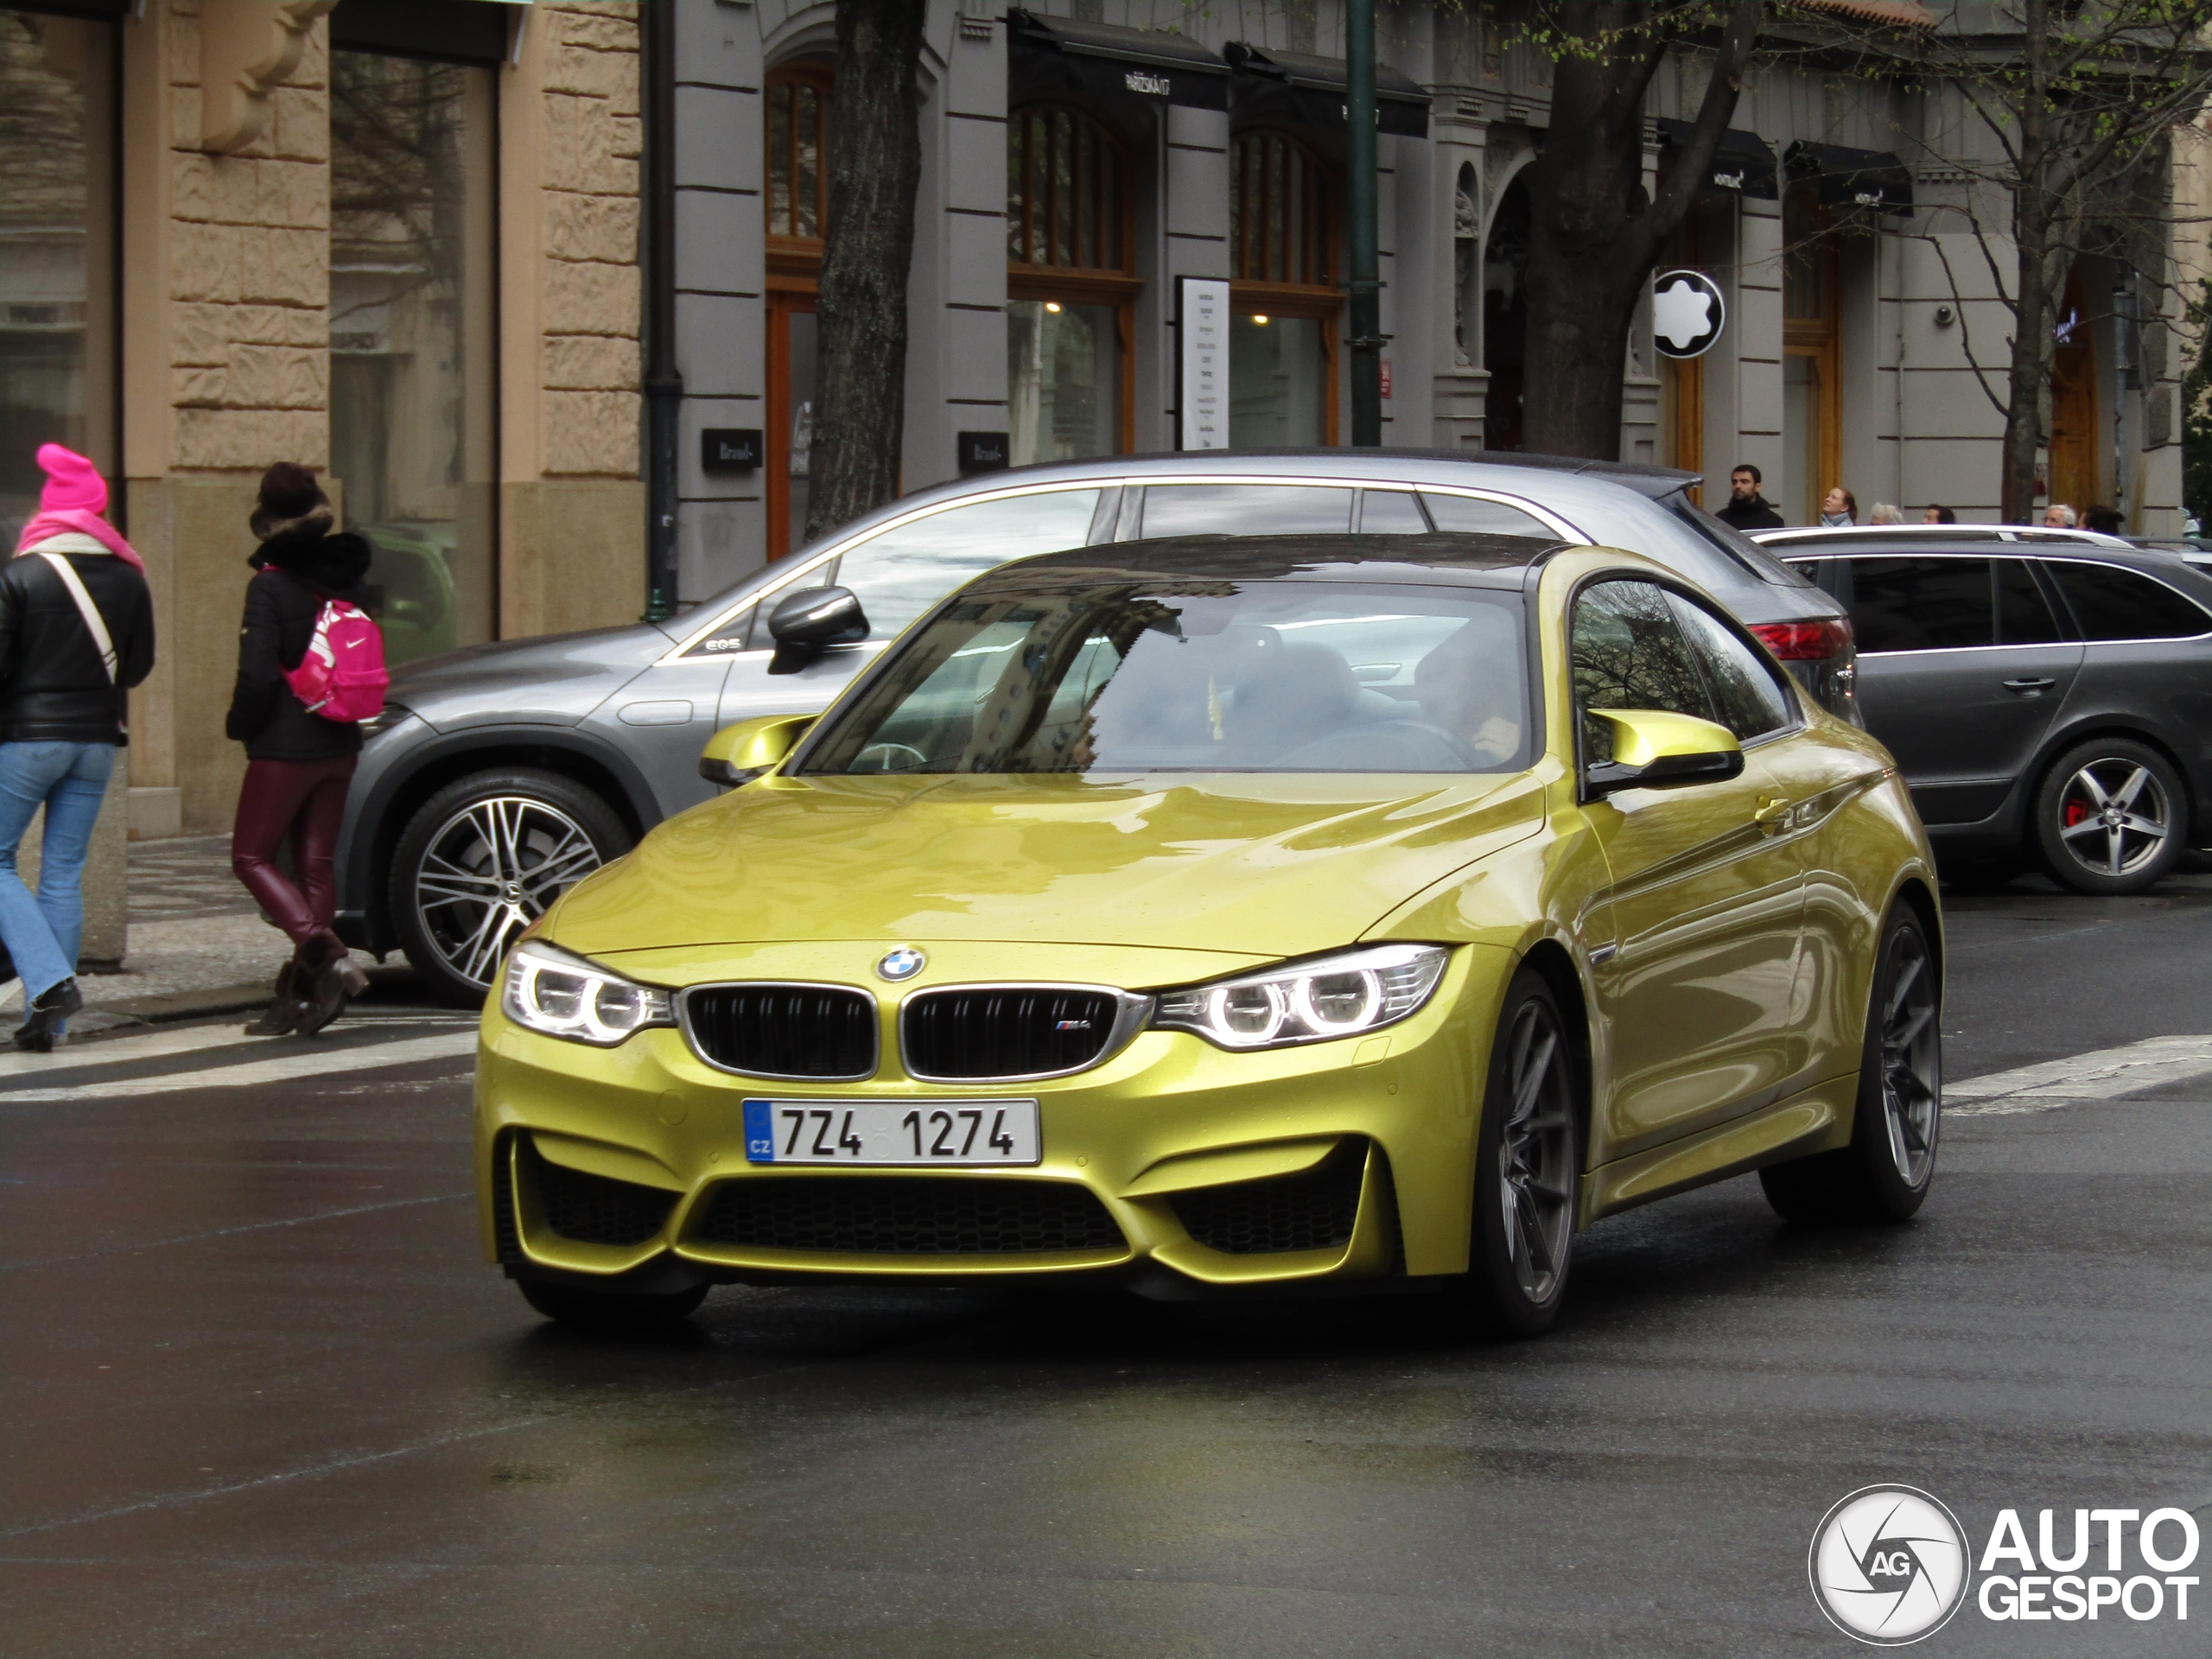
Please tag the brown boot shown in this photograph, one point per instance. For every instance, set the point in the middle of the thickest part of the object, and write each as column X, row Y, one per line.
column 332, row 980
column 288, row 1003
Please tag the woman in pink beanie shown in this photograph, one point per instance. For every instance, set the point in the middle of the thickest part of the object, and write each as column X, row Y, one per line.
column 76, row 633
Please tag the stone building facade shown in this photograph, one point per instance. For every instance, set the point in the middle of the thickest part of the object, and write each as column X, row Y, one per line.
column 393, row 240
column 1859, row 304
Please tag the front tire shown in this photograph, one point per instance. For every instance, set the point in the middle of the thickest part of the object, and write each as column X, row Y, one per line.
column 481, row 860
column 611, row 1312
column 1885, row 1174
column 1528, row 1164
column 2110, row 817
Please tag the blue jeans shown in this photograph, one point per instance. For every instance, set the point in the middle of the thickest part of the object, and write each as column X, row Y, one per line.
column 70, row 780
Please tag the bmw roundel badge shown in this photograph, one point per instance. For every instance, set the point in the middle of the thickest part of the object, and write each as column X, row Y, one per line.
column 902, row 964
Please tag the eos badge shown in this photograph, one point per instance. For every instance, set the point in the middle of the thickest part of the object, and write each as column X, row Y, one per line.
column 902, row 964
column 1687, row 314
column 1889, row 1565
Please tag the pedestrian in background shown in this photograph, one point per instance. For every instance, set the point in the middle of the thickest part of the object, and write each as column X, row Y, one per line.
column 1884, row 513
column 1747, row 509
column 1838, row 509
column 2103, row 519
column 298, row 763
column 2058, row 515
column 1939, row 516
column 76, row 633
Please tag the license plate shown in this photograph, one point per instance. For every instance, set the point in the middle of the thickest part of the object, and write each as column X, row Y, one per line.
column 959, row 1133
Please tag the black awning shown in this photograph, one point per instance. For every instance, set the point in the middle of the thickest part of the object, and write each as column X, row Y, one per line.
column 1292, row 86
column 1060, row 55
column 1743, row 165
column 1853, row 178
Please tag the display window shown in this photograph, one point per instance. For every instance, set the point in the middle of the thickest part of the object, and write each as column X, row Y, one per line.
column 1282, row 344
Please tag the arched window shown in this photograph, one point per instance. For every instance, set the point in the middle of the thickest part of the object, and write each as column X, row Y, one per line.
column 797, row 208
column 1282, row 337
column 1070, row 287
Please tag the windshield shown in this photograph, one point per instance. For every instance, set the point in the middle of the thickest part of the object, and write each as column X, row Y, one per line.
column 1089, row 674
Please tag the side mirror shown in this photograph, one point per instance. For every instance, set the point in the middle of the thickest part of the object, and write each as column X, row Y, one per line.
column 805, row 624
column 1653, row 749
column 737, row 754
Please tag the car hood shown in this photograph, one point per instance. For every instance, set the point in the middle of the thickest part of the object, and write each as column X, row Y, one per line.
column 1263, row 865
column 553, row 679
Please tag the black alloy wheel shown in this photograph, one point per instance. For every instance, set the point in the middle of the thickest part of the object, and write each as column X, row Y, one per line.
column 1885, row 1174
column 2111, row 817
column 481, row 860
column 1528, row 1165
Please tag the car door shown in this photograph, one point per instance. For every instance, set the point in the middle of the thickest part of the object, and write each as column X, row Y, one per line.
column 1962, row 667
column 1694, row 945
column 898, row 573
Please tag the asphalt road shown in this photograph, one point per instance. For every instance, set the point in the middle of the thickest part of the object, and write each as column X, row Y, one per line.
column 258, row 1396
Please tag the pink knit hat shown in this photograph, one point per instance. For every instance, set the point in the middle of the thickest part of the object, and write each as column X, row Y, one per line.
column 73, row 483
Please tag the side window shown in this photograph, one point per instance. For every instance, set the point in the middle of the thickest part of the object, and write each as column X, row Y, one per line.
column 1477, row 517
column 2023, row 616
column 1630, row 654
column 1245, row 509
column 1390, row 512
column 901, row 573
column 1744, row 690
column 2111, row 603
column 1916, row 604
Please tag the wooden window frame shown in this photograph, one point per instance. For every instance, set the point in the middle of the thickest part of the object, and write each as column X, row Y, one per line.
column 794, row 263
column 1317, row 302
column 1115, row 286
column 1820, row 340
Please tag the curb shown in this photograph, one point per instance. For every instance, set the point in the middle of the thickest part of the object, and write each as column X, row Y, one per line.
column 177, row 1004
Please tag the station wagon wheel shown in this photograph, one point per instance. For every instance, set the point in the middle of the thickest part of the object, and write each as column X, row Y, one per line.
column 2110, row 817
column 1527, row 1164
column 1886, row 1172
column 481, row 860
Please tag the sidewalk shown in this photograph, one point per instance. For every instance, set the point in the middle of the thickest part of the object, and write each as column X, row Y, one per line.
column 197, row 946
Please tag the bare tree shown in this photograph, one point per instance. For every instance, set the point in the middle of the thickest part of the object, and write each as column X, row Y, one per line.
column 2076, row 104
column 876, row 167
column 1595, row 234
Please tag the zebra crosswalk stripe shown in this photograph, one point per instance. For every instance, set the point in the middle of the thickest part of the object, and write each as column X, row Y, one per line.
column 319, row 1062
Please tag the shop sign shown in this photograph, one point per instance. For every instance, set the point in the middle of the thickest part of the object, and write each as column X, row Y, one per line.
column 1202, row 379
column 1687, row 314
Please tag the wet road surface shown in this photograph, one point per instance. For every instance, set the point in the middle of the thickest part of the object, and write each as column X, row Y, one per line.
column 258, row 1395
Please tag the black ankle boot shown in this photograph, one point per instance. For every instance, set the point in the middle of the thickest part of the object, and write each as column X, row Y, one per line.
column 54, row 1004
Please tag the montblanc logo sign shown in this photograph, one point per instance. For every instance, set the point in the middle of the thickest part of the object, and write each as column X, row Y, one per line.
column 1729, row 180
column 1868, row 198
column 1153, row 85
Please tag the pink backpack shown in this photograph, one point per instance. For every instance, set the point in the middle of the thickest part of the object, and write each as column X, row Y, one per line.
column 341, row 676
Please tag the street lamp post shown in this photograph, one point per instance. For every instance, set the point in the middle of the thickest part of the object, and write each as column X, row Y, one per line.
column 1366, row 340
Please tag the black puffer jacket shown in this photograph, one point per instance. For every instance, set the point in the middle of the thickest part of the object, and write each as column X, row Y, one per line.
column 295, row 573
column 53, row 689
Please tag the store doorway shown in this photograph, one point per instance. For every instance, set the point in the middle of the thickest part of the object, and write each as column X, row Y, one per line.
column 1505, row 318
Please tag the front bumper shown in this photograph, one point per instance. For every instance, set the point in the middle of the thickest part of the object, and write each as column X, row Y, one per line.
column 1348, row 1159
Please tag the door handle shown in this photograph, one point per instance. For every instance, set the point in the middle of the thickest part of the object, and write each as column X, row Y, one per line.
column 2028, row 687
column 1773, row 815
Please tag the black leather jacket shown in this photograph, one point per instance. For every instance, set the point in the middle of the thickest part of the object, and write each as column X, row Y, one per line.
column 295, row 573
column 53, row 689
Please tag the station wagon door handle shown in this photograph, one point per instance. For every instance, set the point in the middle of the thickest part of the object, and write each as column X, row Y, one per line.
column 1772, row 815
column 2028, row 687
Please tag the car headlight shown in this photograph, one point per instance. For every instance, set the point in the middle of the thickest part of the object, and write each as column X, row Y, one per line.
column 1331, row 996
column 550, row 991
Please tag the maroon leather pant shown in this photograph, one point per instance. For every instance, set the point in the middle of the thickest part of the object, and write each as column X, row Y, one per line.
column 303, row 800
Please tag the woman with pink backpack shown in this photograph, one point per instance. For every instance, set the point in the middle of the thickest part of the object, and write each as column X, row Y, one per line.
column 310, row 669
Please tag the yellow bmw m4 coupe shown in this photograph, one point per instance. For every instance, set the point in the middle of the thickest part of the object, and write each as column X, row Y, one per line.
column 1227, row 913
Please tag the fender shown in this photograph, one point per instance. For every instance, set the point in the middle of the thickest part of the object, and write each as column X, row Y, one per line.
column 361, row 918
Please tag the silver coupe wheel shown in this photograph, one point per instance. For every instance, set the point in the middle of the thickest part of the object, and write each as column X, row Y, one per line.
column 1912, row 1073
column 489, row 871
column 1536, row 1165
column 2113, row 816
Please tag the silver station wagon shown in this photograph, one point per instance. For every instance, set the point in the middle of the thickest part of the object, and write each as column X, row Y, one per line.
column 501, row 774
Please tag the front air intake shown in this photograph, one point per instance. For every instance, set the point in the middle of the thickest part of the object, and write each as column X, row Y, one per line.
column 824, row 1033
column 906, row 1215
column 1313, row 1210
column 593, row 1210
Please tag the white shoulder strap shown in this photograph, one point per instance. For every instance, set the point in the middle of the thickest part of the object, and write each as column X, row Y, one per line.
column 86, row 608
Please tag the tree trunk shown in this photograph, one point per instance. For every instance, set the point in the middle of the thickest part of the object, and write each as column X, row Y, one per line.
column 876, row 167
column 2029, row 370
column 1593, row 234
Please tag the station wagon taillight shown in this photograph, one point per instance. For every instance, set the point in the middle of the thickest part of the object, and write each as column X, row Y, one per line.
column 1805, row 642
